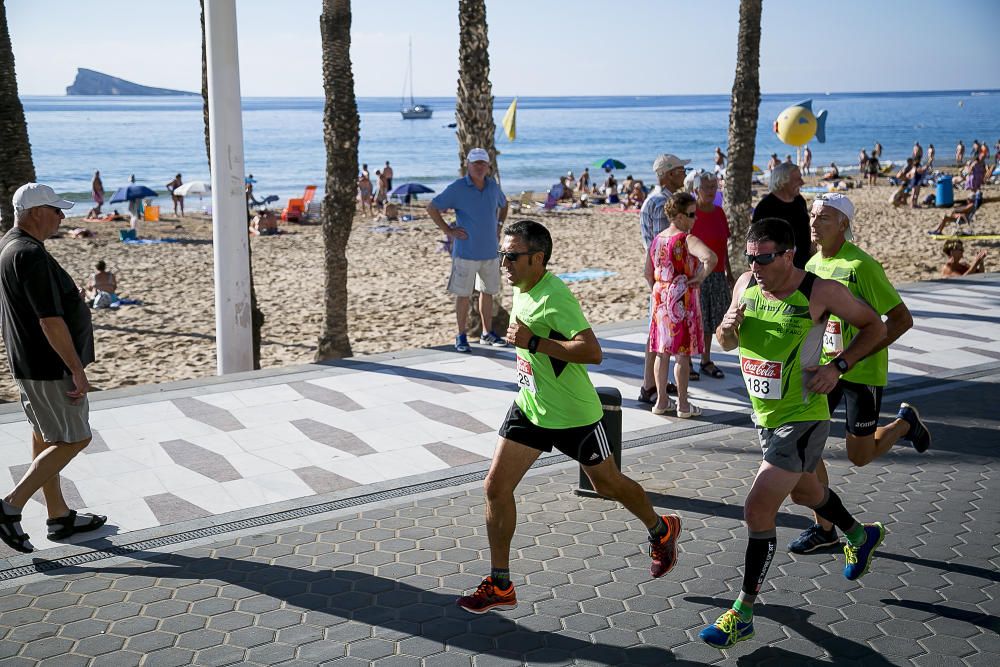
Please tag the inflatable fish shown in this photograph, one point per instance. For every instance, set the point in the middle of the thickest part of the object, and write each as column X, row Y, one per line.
column 797, row 125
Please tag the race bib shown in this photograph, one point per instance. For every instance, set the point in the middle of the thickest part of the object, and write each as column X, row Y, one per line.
column 833, row 337
column 525, row 377
column 762, row 378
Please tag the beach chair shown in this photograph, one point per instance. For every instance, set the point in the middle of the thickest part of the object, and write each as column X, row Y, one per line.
column 527, row 201
column 297, row 206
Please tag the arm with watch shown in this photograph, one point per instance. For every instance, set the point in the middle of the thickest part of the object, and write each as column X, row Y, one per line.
column 830, row 297
column 583, row 348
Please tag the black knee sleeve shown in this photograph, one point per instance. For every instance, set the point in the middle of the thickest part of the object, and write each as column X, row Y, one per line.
column 833, row 510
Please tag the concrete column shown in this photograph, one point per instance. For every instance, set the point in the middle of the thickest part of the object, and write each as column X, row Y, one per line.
column 234, row 346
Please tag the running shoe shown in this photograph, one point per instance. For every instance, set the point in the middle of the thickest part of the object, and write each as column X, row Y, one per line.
column 487, row 597
column 490, row 338
column 727, row 630
column 933, row 232
column 461, row 343
column 664, row 549
column 813, row 538
column 918, row 435
column 859, row 559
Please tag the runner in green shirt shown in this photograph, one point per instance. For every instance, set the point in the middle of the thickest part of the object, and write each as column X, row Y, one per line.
column 861, row 387
column 776, row 319
column 556, row 406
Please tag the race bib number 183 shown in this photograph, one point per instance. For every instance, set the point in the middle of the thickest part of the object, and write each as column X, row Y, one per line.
column 762, row 378
column 525, row 378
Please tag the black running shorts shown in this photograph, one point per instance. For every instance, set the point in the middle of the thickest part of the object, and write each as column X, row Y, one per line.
column 863, row 402
column 586, row 444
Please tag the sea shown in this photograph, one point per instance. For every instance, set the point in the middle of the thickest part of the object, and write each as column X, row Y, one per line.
column 154, row 138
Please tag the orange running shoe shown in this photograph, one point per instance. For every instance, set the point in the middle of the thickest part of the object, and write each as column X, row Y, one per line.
column 664, row 550
column 488, row 596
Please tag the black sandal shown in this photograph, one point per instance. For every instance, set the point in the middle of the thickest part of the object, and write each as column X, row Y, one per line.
column 647, row 395
column 712, row 370
column 10, row 536
column 694, row 376
column 65, row 526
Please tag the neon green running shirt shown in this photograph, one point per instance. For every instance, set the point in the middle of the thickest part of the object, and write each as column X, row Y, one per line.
column 865, row 277
column 554, row 394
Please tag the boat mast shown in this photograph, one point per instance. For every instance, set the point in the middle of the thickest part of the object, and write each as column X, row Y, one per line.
column 411, row 70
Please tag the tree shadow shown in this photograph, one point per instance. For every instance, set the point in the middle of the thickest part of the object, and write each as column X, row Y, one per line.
column 386, row 603
column 984, row 621
column 714, row 508
column 951, row 567
column 797, row 619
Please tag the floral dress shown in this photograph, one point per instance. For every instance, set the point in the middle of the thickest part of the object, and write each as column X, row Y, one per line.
column 675, row 326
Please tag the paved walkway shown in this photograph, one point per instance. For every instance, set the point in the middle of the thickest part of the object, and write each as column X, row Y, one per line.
column 369, row 571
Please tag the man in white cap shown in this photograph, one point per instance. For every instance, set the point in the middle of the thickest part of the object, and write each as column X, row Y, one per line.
column 49, row 340
column 480, row 210
column 669, row 170
column 861, row 385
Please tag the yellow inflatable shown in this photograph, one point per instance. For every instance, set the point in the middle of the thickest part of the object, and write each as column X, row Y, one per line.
column 797, row 125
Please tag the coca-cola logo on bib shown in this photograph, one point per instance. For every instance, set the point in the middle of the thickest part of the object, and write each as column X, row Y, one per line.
column 762, row 369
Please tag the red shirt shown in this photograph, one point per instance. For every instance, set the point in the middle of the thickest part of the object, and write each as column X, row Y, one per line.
column 712, row 228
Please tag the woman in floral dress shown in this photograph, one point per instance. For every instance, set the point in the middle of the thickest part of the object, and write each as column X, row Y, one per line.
column 676, row 265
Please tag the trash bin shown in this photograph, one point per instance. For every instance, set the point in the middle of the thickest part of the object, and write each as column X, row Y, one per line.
column 945, row 193
column 611, row 402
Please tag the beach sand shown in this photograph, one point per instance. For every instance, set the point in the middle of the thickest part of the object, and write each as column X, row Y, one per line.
column 396, row 283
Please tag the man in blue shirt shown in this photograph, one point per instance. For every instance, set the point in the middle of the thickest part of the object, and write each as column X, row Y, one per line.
column 480, row 210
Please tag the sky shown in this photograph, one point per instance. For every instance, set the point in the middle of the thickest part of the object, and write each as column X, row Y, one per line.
column 537, row 48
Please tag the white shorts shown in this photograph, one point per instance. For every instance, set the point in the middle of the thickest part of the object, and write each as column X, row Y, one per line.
column 466, row 274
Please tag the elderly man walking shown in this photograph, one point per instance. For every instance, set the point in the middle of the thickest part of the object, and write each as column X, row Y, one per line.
column 49, row 340
column 669, row 170
column 480, row 210
column 786, row 203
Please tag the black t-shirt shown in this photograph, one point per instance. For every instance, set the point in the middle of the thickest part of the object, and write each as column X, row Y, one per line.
column 794, row 213
column 33, row 286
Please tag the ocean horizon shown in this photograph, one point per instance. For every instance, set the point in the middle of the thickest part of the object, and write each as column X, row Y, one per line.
column 157, row 137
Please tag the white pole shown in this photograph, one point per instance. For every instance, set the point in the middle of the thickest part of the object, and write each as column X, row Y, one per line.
column 234, row 347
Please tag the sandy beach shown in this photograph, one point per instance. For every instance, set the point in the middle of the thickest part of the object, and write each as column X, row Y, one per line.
column 397, row 282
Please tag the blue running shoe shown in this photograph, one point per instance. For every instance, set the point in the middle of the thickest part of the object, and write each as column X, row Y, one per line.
column 462, row 343
column 859, row 559
column 918, row 435
column 727, row 630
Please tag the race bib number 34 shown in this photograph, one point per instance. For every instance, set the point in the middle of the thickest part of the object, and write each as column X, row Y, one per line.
column 525, row 378
column 762, row 378
column 833, row 337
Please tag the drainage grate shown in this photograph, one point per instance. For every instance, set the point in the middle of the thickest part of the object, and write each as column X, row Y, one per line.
column 321, row 508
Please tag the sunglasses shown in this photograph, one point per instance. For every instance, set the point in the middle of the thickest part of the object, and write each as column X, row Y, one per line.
column 689, row 215
column 512, row 256
column 765, row 258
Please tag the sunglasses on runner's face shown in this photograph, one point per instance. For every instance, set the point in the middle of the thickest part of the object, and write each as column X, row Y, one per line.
column 512, row 256
column 764, row 258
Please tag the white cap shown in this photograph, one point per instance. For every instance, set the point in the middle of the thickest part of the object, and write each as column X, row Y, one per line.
column 667, row 162
column 478, row 155
column 31, row 195
column 843, row 204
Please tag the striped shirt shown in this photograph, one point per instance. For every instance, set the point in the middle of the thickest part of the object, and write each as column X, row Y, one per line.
column 653, row 218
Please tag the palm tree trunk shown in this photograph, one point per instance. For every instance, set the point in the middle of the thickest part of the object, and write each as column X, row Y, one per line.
column 16, row 166
column 204, row 86
column 743, row 129
column 474, row 102
column 341, row 128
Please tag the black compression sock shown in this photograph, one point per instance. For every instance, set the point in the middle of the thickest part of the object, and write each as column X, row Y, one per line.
column 760, row 551
column 659, row 530
column 500, row 577
column 832, row 509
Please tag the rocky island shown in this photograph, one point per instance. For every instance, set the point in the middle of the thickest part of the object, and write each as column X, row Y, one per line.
column 89, row 82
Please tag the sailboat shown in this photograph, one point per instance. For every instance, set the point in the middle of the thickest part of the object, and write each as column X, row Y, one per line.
column 414, row 110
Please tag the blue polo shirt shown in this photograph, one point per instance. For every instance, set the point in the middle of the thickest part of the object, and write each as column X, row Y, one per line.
column 476, row 212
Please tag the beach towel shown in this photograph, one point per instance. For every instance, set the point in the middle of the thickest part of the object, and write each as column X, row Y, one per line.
column 585, row 274
column 385, row 229
column 612, row 209
column 150, row 241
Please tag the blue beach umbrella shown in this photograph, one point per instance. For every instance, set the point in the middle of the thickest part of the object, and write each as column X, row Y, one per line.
column 407, row 189
column 610, row 163
column 130, row 192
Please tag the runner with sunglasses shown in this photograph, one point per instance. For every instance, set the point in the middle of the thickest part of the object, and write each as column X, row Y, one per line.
column 777, row 319
column 860, row 387
column 556, row 406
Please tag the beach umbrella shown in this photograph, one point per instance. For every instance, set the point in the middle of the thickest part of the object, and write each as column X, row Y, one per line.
column 407, row 189
column 610, row 163
column 130, row 192
column 193, row 188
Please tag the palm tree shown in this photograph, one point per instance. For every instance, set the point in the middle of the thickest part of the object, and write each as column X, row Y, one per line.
column 204, row 85
column 743, row 128
column 16, row 166
column 341, row 128
column 474, row 102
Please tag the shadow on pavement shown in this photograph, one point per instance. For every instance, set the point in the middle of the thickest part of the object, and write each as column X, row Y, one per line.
column 391, row 604
column 949, row 568
column 720, row 509
column 797, row 619
column 985, row 621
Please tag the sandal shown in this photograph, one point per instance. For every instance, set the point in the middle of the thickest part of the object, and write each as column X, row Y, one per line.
column 65, row 526
column 695, row 411
column 712, row 370
column 694, row 376
column 671, row 388
column 671, row 406
column 647, row 395
column 9, row 534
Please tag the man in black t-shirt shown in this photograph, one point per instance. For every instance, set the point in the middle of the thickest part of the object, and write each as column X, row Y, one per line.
column 785, row 203
column 49, row 340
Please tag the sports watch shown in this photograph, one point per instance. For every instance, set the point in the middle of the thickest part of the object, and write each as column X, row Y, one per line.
column 841, row 365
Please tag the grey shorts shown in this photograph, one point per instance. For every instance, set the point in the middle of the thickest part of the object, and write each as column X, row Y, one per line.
column 795, row 447
column 53, row 415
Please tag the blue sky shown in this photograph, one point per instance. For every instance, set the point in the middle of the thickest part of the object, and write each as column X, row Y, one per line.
column 579, row 47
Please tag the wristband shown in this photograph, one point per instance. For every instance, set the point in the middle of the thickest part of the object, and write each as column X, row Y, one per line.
column 533, row 344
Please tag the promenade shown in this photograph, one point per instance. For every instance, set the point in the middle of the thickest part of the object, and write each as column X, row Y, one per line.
column 333, row 512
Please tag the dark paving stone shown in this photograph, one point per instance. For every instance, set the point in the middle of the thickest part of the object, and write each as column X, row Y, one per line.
column 452, row 455
column 208, row 414
column 200, row 460
column 334, row 399
column 323, row 481
column 168, row 508
column 331, row 436
column 70, row 492
column 448, row 416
